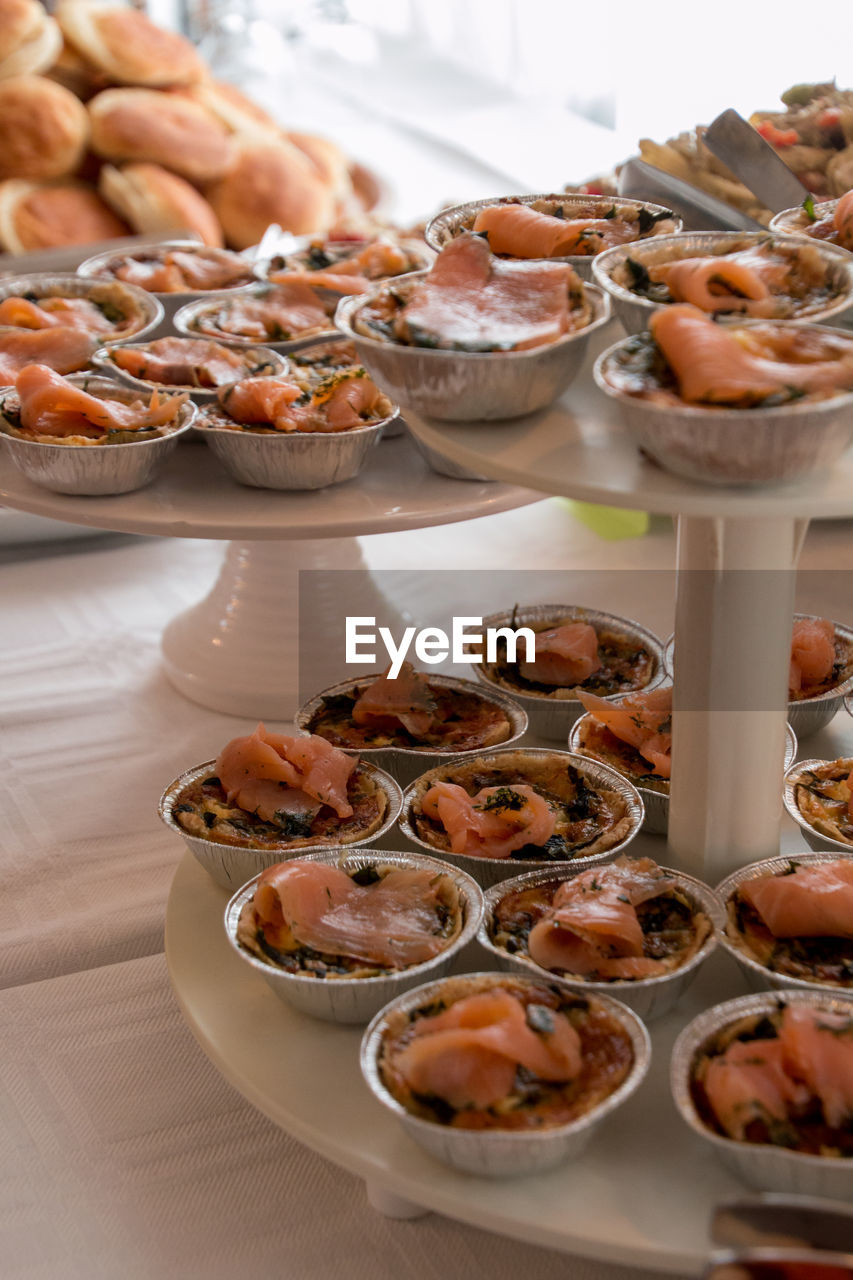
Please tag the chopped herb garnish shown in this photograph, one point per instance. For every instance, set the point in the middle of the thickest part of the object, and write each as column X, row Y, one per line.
column 540, row 1019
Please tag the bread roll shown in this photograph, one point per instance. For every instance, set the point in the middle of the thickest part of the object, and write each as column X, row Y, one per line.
column 75, row 73
column 153, row 200
column 44, row 129
column 163, row 128
column 20, row 21
column 126, row 46
column 48, row 215
column 38, row 52
column 232, row 108
column 328, row 159
column 270, row 181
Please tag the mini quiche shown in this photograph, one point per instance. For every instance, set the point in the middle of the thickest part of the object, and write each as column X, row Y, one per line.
column 300, row 401
column 107, row 310
column 686, row 360
column 632, row 735
column 270, row 791
column 268, row 313
column 324, row 921
column 797, row 921
column 189, row 363
column 572, row 651
column 504, row 1053
column 554, row 227
column 821, row 658
column 49, row 409
column 783, row 1078
column 528, row 805
column 174, row 267
column 628, row 920
column 409, row 711
column 751, row 275
column 823, row 795
column 350, row 265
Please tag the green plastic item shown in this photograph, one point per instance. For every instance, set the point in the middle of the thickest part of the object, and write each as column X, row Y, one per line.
column 612, row 523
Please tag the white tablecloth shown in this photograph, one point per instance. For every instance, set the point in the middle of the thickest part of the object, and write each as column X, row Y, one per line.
column 124, row 1152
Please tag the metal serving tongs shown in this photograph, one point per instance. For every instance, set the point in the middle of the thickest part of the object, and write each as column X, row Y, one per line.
column 750, row 158
column 774, row 1218
column 699, row 211
column 773, row 1235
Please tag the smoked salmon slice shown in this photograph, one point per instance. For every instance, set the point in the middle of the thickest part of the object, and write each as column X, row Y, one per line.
column 815, row 901
column 181, row 271
column 565, row 655
column 714, row 364
column 473, row 301
column 643, row 720
column 52, row 406
column 818, row 1049
column 727, row 282
column 524, row 232
column 182, row 362
column 62, row 348
column 257, row 771
column 286, row 311
column 592, row 926
column 493, row 823
column 392, row 922
column 405, row 700
column 49, row 312
column 749, row 1082
column 469, row 1054
column 812, row 652
column 778, row 1081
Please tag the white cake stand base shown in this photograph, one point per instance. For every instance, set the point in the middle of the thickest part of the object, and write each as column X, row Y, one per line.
column 237, row 650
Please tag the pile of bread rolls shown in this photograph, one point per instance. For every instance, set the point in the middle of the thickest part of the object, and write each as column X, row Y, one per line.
column 110, row 125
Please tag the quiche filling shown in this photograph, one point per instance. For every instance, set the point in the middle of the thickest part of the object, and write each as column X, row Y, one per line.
column 504, row 1054
column 519, row 806
column 629, row 920
column 784, row 1079
column 824, row 796
column 410, row 712
column 798, row 922
column 331, row 922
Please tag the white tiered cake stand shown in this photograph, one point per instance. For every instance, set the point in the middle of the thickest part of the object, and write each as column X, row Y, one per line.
column 236, row 651
column 641, row 1194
